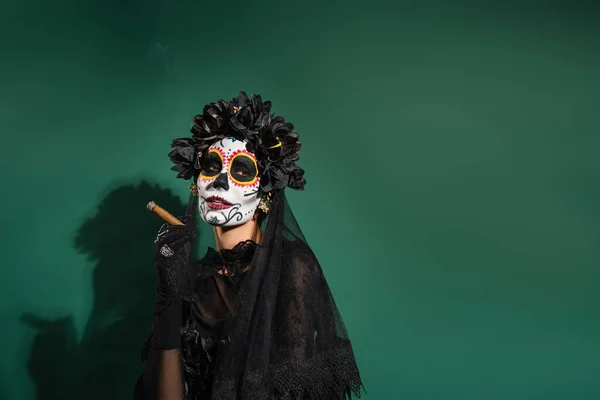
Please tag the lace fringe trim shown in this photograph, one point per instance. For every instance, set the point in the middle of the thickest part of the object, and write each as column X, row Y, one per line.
column 331, row 375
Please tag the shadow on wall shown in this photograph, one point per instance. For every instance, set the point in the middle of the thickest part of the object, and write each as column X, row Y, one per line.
column 106, row 362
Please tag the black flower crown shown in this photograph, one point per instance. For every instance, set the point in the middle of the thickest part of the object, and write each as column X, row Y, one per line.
column 269, row 137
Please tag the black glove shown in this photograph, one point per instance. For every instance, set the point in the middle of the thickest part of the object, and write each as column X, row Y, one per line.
column 171, row 258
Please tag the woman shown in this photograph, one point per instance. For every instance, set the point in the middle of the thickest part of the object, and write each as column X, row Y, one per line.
column 254, row 319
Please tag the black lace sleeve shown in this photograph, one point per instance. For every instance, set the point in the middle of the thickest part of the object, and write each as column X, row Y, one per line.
column 311, row 355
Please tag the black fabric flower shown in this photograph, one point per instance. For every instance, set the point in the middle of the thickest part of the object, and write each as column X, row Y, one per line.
column 297, row 180
column 269, row 137
column 253, row 114
column 184, row 156
column 277, row 147
column 213, row 124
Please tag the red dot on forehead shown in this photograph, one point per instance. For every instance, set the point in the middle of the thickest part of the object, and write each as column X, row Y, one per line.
column 219, row 151
column 241, row 151
column 228, row 152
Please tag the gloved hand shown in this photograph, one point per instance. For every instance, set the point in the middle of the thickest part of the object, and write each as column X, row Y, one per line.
column 171, row 258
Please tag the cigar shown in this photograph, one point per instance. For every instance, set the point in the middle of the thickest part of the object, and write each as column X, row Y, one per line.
column 162, row 213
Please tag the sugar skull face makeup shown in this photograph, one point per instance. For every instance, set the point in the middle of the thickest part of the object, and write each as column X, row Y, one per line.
column 228, row 184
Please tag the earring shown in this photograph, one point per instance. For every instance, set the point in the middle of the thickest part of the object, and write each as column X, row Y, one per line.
column 265, row 203
column 194, row 188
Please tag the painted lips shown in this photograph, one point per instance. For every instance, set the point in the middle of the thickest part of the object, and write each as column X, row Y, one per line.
column 217, row 203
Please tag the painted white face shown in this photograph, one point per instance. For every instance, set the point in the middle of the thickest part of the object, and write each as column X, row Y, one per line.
column 228, row 184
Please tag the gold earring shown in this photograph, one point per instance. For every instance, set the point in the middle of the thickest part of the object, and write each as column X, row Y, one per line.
column 194, row 188
column 265, row 203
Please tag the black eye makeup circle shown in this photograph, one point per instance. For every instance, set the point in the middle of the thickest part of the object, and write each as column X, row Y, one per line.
column 243, row 169
column 211, row 164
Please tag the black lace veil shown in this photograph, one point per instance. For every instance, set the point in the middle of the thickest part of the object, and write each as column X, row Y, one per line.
column 288, row 340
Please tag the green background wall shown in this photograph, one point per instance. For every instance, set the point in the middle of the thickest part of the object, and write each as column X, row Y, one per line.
column 451, row 151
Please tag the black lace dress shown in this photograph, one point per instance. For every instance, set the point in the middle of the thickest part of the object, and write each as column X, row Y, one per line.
column 204, row 318
column 310, row 356
column 220, row 274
